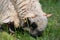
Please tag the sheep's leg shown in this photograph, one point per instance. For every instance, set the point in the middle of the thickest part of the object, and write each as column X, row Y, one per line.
column 11, row 27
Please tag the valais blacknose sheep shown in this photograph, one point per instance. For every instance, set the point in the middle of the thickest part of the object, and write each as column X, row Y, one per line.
column 31, row 16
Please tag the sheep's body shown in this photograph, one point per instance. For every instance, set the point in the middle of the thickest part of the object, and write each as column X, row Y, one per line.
column 27, row 7
column 8, row 13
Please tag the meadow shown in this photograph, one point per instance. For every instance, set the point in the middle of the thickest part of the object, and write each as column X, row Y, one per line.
column 52, row 32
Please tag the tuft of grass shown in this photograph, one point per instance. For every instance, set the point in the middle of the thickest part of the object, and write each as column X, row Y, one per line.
column 52, row 31
column 6, row 36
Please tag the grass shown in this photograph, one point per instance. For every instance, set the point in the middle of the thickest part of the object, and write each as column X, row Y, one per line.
column 6, row 36
column 52, row 31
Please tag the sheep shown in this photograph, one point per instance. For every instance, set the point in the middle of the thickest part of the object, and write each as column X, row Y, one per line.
column 31, row 14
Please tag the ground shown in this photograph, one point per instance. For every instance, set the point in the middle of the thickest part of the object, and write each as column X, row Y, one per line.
column 52, row 32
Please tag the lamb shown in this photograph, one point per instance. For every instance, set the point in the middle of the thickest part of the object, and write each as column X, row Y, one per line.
column 31, row 14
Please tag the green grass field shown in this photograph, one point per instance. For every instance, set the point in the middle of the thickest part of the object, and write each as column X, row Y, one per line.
column 52, row 31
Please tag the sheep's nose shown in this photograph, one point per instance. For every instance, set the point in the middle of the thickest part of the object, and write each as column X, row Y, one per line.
column 36, row 34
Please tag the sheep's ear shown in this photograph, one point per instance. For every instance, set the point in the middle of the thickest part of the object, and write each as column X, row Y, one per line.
column 48, row 15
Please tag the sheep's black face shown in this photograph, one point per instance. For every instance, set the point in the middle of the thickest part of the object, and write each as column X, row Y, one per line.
column 34, row 31
column 33, row 28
